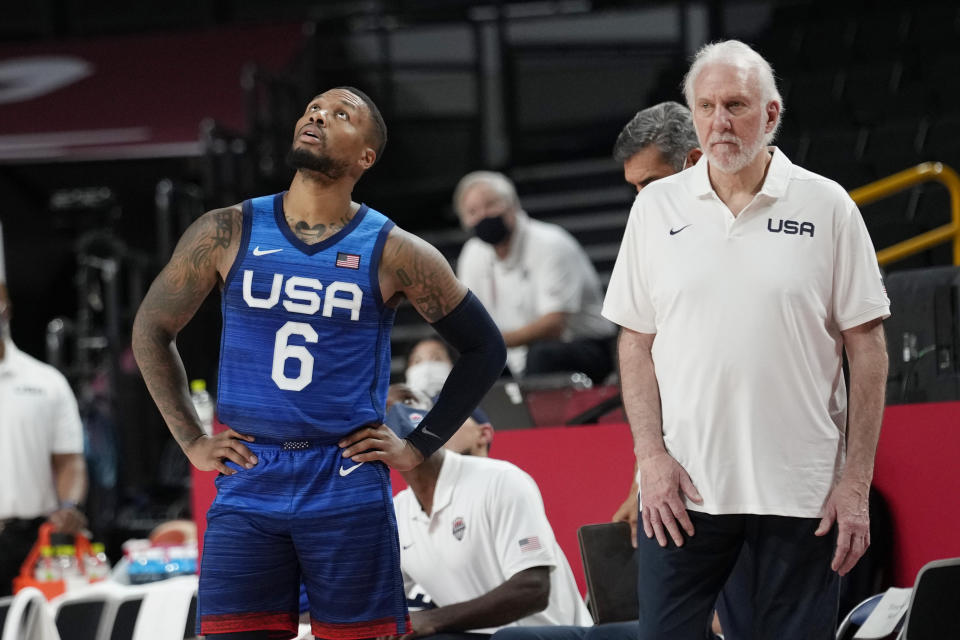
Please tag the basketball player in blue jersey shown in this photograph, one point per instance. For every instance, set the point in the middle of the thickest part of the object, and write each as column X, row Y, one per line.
column 309, row 282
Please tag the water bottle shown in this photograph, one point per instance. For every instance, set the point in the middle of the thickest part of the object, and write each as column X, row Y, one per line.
column 181, row 560
column 147, row 565
column 47, row 568
column 97, row 564
column 203, row 403
column 70, row 567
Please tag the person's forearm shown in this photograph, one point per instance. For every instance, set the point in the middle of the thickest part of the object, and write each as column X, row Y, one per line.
column 470, row 330
column 524, row 594
column 70, row 478
column 166, row 379
column 641, row 393
column 547, row 327
column 867, row 355
column 205, row 251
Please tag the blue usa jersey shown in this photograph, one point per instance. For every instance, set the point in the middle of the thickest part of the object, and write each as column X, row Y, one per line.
column 305, row 348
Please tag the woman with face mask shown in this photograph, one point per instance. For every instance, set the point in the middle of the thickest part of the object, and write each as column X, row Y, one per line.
column 428, row 366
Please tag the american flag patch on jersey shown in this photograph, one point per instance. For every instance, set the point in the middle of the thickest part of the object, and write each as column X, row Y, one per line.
column 348, row 260
column 529, row 544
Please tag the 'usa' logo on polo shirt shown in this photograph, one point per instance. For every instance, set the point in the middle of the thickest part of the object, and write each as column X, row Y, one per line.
column 459, row 526
column 790, row 227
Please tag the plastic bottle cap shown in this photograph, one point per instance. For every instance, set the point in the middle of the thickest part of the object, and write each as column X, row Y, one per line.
column 198, row 385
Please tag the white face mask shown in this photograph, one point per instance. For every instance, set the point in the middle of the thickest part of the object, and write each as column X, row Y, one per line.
column 428, row 376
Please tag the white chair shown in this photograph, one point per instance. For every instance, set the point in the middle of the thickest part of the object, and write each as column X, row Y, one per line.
column 155, row 611
column 165, row 608
column 121, row 618
column 29, row 617
column 5, row 603
column 94, row 607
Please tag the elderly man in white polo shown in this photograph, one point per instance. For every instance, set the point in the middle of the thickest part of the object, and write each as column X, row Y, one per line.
column 739, row 285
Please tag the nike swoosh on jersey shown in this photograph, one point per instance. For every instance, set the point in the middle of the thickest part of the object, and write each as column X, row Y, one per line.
column 258, row 252
column 674, row 232
column 430, row 433
column 345, row 472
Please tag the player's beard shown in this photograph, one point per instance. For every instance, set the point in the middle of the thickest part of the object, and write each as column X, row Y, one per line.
column 738, row 160
column 322, row 164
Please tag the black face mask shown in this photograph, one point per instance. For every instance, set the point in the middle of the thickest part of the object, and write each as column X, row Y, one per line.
column 492, row 230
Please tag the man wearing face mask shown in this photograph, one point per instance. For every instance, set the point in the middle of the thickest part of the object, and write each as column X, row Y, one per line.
column 534, row 279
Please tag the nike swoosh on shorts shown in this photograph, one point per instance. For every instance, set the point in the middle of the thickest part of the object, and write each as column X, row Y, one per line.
column 345, row 472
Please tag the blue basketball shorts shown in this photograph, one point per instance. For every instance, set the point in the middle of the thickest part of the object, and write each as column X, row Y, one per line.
column 302, row 513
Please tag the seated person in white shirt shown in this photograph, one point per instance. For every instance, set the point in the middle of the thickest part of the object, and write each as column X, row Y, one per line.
column 474, row 535
column 535, row 280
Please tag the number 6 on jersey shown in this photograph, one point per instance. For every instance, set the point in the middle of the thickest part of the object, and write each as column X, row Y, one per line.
column 283, row 351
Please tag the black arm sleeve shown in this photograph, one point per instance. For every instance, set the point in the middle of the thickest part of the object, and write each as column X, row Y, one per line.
column 470, row 330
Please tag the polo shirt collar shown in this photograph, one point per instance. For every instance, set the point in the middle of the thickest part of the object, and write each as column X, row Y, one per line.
column 443, row 491
column 699, row 178
column 774, row 186
column 446, row 481
column 517, row 240
column 778, row 175
column 11, row 354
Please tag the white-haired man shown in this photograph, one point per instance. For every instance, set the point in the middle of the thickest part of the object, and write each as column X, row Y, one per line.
column 738, row 286
column 535, row 280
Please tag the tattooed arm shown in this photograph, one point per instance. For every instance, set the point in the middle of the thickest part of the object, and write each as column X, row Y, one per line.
column 202, row 258
column 414, row 269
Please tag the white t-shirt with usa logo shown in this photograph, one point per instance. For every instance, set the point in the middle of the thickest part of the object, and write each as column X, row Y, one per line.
column 487, row 525
column 748, row 312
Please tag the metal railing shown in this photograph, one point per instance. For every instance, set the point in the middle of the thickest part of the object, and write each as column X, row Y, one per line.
column 924, row 172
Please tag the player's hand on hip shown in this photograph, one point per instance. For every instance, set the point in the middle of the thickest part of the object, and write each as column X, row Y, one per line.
column 210, row 453
column 628, row 512
column 663, row 484
column 849, row 506
column 380, row 443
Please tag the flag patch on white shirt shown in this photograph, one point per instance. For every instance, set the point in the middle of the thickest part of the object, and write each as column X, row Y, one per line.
column 529, row 544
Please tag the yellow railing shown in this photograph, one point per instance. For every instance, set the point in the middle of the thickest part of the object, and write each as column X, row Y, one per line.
column 904, row 180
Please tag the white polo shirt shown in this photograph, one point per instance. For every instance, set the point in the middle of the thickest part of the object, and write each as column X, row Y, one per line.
column 38, row 417
column 487, row 525
column 545, row 271
column 747, row 313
